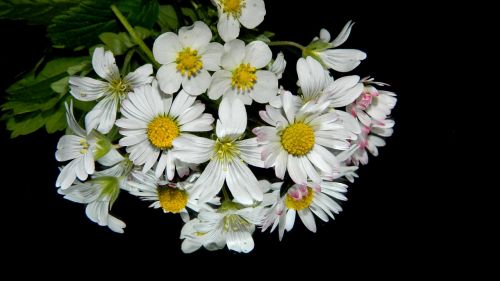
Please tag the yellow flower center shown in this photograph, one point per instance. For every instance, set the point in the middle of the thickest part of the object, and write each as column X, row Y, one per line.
column 188, row 62
column 244, row 77
column 298, row 139
column 233, row 7
column 172, row 199
column 299, row 204
column 119, row 87
column 225, row 150
column 162, row 131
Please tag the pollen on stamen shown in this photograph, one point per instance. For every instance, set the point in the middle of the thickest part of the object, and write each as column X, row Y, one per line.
column 244, row 77
column 298, row 139
column 189, row 62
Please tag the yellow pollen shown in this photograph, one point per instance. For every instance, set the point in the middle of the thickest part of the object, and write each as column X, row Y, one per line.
column 244, row 77
column 233, row 7
column 303, row 203
column 188, row 62
column 85, row 146
column 235, row 222
column 298, row 139
column 225, row 150
column 162, row 131
column 172, row 199
column 119, row 87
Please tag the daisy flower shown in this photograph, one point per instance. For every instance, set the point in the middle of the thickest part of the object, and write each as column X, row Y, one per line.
column 81, row 149
column 250, row 13
column 151, row 122
column 241, row 75
column 99, row 194
column 172, row 197
column 186, row 59
column 341, row 60
column 306, row 200
column 229, row 155
column 232, row 225
column 102, row 117
column 297, row 140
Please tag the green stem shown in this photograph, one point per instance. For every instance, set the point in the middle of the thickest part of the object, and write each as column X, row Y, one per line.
column 287, row 43
column 126, row 62
column 135, row 36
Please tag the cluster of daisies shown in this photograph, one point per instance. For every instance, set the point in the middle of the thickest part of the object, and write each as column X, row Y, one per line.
column 192, row 141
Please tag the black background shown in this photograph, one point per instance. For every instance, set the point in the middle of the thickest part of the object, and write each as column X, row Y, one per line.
column 397, row 209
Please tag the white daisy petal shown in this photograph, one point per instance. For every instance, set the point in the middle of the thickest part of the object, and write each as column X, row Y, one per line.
column 295, row 170
column 290, row 219
column 253, row 13
column 169, row 78
column 281, row 164
column 166, row 47
column 201, row 124
column 181, row 102
column 228, row 27
column 308, row 219
column 257, row 54
column 195, row 36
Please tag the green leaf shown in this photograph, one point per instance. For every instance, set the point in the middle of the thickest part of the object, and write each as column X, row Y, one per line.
column 56, row 120
column 116, row 43
column 167, row 19
column 25, row 124
column 190, row 13
column 34, row 11
column 82, row 24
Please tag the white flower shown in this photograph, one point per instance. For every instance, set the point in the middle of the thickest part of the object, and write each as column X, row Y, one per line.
column 81, row 149
column 306, row 200
column 151, row 123
column 250, row 13
column 172, row 197
column 278, row 65
column 228, row 154
column 102, row 117
column 297, row 140
column 342, row 60
column 231, row 224
column 241, row 76
column 186, row 59
column 99, row 194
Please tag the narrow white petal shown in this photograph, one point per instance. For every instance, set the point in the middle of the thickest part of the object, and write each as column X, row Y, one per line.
column 295, row 170
column 308, row 219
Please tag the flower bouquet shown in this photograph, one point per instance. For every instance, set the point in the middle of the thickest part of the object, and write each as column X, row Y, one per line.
column 181, row 105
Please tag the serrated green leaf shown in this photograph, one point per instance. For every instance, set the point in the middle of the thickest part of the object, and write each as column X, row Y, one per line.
column 167, row 19
column 116, row 43
column 81, row 25
column 25, row 124
column 56, row 120
column 190, row 13
column 34, row 11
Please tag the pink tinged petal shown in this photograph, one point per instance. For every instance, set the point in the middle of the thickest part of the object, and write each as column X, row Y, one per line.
column 282, row 224
column 270, row 153
column 198, row 84
column 281, row 164
column 266, row 134
column 210, row 181
column 104, row 64
column 275, row 116
column 253, row 13
column 308, row 219
column 329, row 203
column 191, row 114
column 162, row 163
column 166, row 47
column 211, row 56
column 295, row 170
column 195, row 36
column 169, row 78
column 290, row 219
column 228, row 27
column 234, row 53
column 221, row 83
column 343, row 35
column 181, row 102
column 102, row 117
column 346, row 96
column 140, row 76
column 257, row 54
column 266, row 86
column 87, row 89
column 201, row 124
